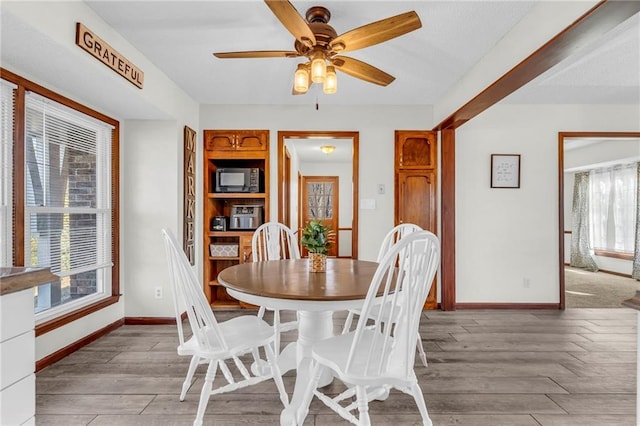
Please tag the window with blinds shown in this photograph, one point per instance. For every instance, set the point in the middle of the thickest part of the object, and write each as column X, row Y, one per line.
column 6, row 172
column 67, row 200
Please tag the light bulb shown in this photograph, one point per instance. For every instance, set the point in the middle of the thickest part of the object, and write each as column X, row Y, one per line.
column 330, row 85
column 318, row 68
column 327, row 149
column 301, row 79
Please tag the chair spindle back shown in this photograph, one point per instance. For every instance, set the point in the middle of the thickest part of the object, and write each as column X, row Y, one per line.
column 401, row 283
column 188, row 295
column 274, row 241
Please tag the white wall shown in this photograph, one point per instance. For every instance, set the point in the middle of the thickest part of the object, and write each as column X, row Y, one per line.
column 293, row 187
column 149, row 203
column 506, row 235
column 376, row 126
column 591, row 156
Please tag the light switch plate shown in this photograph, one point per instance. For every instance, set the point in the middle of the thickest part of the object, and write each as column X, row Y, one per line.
column 367, row 204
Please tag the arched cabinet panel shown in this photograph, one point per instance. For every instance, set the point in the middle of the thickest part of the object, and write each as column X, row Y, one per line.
column 416, row 150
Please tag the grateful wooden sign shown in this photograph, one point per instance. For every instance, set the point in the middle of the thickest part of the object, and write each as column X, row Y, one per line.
column 101, row 50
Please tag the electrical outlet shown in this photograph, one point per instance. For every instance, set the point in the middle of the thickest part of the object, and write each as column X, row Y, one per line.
column 157, row 292
column 526, row 282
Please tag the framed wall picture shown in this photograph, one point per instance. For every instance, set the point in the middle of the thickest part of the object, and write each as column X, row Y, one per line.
column 505, row 170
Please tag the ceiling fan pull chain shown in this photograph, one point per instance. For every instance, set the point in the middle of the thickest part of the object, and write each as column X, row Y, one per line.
column 316, row 102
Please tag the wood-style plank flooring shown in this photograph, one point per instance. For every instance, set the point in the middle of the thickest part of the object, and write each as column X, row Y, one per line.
column 486, row 368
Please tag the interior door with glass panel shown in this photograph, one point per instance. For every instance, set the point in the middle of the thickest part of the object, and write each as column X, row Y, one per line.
column 319, row 202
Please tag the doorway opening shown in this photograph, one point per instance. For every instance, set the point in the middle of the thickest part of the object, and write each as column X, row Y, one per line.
column 582, row 154
column 299, row 159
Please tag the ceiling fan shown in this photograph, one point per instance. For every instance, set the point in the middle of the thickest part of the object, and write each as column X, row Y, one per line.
column 317, row 41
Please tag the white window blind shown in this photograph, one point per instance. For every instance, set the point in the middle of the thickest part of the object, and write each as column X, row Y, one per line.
column 68, row 189
column 6, row 172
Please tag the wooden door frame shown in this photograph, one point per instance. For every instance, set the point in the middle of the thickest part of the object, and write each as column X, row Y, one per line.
column 561, row 138
column 307, row 134
column 286, row 187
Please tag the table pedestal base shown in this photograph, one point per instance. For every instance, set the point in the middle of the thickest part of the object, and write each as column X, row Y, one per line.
column 312, row 327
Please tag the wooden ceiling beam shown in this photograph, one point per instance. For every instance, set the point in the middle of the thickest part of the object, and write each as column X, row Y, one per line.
column 597, row 21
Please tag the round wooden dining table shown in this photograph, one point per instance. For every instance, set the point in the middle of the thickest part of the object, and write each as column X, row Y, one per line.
column 288, row 284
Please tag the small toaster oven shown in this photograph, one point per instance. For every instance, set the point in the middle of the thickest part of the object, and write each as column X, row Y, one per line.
column 246, row 216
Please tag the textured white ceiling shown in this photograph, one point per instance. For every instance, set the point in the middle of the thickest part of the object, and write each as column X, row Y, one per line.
column 308, row 150
column 179, row 37
column 607, row 71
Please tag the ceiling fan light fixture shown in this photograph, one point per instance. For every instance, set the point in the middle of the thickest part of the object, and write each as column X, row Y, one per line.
column 318, row 68
column 327, row 149
column 330, row 85
column 319, row 42
column 301, row 79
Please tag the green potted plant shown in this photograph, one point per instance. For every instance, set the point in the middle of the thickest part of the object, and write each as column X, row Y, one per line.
column 316, row 238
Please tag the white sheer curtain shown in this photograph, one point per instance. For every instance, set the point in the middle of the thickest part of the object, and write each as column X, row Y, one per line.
column 624, row 179
column 612, row 207
column 599, row 204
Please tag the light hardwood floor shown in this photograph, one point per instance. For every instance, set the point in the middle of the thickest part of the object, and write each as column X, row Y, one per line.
column 511, row 368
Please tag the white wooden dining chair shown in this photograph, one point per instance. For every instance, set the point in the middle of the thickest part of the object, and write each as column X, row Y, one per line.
column 217, row 343
column 275, row 241
column 375, row 357
column 393, row 236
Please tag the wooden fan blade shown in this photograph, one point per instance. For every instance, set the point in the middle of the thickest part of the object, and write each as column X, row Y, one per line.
column 362, row 70
column 376, row 32
column 292, row 21
column 257, row 54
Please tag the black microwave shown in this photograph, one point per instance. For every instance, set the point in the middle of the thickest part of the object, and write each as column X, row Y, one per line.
column 238, row 179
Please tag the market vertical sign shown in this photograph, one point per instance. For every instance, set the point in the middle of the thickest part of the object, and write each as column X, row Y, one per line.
column 101, row 50
column 189, row 193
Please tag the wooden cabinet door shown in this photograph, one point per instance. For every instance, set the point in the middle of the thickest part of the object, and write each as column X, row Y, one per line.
column 252, row 140
column 416, row 202
column 236, row 140
column 415, row 149
column 215, row 140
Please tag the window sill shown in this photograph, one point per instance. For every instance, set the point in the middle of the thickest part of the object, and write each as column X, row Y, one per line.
column 614, row 254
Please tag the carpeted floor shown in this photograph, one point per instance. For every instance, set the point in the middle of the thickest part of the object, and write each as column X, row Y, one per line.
column 585, row 289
